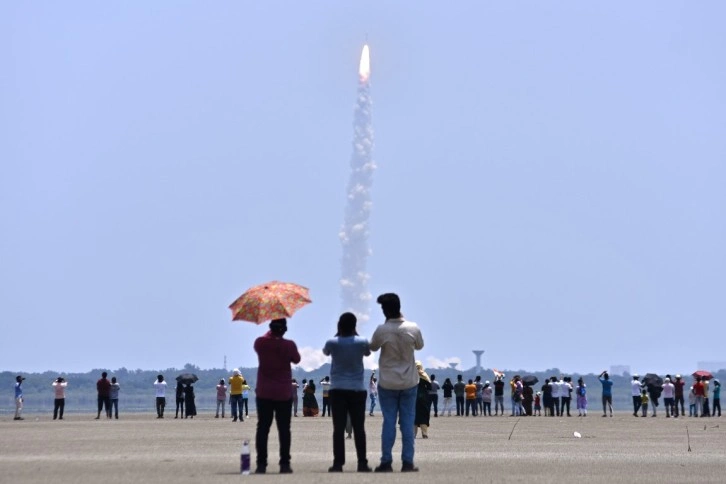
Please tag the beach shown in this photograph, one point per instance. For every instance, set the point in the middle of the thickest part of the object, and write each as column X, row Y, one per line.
column 140, row 448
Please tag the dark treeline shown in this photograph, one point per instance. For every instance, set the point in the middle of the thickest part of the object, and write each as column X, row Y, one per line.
column 137, row 390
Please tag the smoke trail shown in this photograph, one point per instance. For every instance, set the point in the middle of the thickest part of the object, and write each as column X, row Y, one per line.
column 354, row 233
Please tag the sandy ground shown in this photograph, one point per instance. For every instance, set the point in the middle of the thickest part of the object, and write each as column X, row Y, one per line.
column 139, row 448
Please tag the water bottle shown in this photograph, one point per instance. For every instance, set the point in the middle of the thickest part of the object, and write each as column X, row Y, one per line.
column 244, row 458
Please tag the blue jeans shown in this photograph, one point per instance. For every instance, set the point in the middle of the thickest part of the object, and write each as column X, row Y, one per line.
column 397, row 405
column 236, row 404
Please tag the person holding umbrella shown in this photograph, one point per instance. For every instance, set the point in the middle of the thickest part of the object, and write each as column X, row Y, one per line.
column 275, row 354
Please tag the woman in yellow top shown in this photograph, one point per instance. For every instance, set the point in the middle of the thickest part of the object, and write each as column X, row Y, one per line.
column 470, row 391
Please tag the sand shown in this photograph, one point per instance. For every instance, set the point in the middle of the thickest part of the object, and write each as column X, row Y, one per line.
column 139, row 448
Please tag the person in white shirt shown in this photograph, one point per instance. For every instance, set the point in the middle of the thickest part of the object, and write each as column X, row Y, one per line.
column 59, row 404
column 373, row 391
column 160, row 386
column 397, row 339
column 636, row 389
column 555, row 394
column 669, row 393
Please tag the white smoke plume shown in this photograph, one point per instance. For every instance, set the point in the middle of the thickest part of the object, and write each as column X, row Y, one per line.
column 354, row 233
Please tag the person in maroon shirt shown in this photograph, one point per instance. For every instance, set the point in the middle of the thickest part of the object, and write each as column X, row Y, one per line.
column 103, row 386
column 679, row 384
column 698, row 390
column 275, row 354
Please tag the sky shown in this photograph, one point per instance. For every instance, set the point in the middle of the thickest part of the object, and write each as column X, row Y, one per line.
column 550, row 181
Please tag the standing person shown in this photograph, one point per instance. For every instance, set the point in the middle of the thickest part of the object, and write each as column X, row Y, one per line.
column 348, row 390
column 654, row 392
column 527, row 399
column 706, row 410
column 644, row 402
column 325, row 388
column 310, row 403
column 293, row 392
column 549, row 407
column 716, row 398
column 160, row 386
column 275, row 355
column 179, row 398
column 236, row 381
column 397, row 339
column 499, row 395
column 565, row 394
column 679, row 384
column 581, row 393
column 423, row 409
column 19, row 397
column 554, row 384
column 698, row 392
column 669, row 391
column 246, row 389
column 189, row 401
column 470, row 392
column 537, row 404
column 221, row 397
column 486, row 393
column 479, row 396
column 373, row 391
column 103, row 387
column 448, row 389
column 59, row 390
column 115, row 387
column 517, row 391
column 635, row 392
column 434, row 396
column 607, row 393
column 692, row 403
column 460, row 395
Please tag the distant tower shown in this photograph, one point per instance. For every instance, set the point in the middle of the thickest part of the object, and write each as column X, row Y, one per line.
column 478, row 354
column 453, row 365
column 225, row 363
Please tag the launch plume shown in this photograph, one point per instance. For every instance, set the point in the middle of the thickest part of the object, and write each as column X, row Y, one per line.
column 354, row 234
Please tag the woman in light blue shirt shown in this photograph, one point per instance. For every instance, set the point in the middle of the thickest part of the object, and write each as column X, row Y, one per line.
column 348, row 390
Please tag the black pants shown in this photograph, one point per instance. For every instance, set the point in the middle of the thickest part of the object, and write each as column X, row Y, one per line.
column 266, row 411
column 716, row 406
column 566, row 403
column 636, row 404
column 342, row 404
column 459, row 405
column 679, row 399
column 434, row 402
column 59, row 404
column 244, row 406
column 179, row 406
column 104, row 402
column 471, row 404
column 326, row 405
column 160, row 404
column 488, row 408
column 556, row 404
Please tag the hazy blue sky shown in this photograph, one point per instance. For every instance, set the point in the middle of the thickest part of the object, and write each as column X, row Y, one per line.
column 551, row 181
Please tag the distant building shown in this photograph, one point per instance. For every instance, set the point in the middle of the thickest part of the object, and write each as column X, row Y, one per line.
column 711, row 365
column 620, row 370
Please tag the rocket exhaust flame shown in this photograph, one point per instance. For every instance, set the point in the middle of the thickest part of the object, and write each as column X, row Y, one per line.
column 354, row 233
column 364, row 70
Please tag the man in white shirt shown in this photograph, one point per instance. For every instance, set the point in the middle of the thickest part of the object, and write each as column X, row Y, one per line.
column 160, row 386
column 398, row 380
column 669, row 392
column 636, row 390
column 555, row 394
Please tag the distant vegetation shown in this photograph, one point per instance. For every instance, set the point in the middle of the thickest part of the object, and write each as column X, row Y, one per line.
column 137, row 390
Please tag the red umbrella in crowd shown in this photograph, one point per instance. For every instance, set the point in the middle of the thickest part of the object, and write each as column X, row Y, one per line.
column 273, row 300
column 703, row 374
